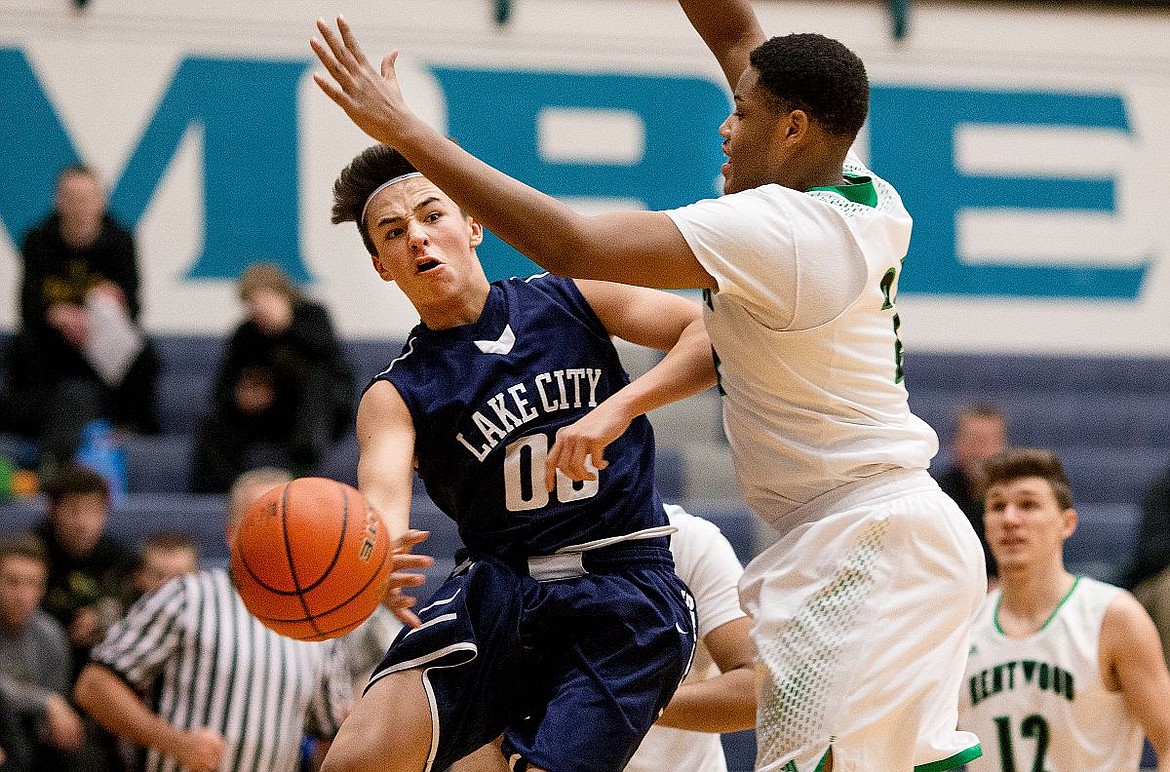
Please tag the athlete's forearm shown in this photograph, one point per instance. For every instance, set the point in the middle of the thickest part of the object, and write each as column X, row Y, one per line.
column 117, row 708
column 725, row 703
column 730, row 30
column 687, row 369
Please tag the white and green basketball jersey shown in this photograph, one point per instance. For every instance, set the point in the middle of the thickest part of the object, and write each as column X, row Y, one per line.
column 1038, row 703
column 805, row 332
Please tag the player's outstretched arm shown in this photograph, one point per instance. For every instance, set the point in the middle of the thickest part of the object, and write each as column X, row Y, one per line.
column 648, row 318
column 115, row 706
column 726, row 702
column 385, row 434
column 643, row 248
column 730, row 30
column 1132, row 651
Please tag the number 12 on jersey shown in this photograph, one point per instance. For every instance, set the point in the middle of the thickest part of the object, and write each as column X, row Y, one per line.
column 1033, row 727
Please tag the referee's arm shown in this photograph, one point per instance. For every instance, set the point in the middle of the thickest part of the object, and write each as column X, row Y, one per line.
column 114, row 705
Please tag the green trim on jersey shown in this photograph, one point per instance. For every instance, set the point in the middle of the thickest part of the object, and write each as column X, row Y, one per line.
column 1048, row 621
column 952, row 762
column 858, row 189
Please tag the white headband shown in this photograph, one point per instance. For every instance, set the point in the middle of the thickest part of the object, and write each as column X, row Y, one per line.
column 380, row 188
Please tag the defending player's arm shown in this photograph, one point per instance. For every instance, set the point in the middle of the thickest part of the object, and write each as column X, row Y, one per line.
column 1131, row 654
column 648, row 318
column 385, row 435
column 730, row 30
column 643, row 248
column 727, row 702
column 114, row 705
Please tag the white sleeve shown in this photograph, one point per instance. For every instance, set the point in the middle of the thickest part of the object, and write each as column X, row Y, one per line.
column 333, row 696
column 138, row 645
column 705, row 560
column 786, row 258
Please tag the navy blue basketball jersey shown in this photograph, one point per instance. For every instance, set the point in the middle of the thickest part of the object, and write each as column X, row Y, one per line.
column 487, row 400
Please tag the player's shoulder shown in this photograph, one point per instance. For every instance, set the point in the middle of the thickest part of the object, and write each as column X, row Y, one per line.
column 688, row 523
column 697, row 538
column 1097, row 592
column 1127, row 631
column 551, row 291
column 1121, row 607
column 544, row 283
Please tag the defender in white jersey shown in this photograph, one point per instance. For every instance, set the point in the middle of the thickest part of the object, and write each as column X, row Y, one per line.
column 862, row 610
column 717, row 694
column 1065, row 672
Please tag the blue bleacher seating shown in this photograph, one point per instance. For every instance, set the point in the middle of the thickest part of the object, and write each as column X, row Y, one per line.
column 186, row 377
column 1105, row 541
column 340, row 461
column 1112, row 475
column 159, row 463
column 1108, row 417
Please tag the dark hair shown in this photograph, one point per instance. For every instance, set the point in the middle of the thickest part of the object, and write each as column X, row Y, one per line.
column 76, row 167
column 371, row 168
column 25, row 545
column 268, row 275
column 819, row 75
column 979, row 410
column 75, row 480
column 170, row 541
column 1014, row 463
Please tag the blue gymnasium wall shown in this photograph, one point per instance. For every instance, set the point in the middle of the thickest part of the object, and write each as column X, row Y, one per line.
column 677, row 114
column 1021, row 162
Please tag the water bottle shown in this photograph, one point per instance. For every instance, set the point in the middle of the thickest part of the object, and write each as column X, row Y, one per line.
column 101, row 452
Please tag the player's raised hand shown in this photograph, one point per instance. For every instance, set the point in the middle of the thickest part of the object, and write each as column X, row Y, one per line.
column 371, row 98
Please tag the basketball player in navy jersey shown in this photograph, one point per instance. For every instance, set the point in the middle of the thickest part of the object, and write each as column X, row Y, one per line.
column 799, row 262
column 564, row 626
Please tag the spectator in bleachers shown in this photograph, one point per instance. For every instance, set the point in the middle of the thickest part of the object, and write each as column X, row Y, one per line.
column 80, row 353
column 164, row 555
column 980, row 432
column 1065, row 672
column 89, row 570
column 284, row 392
column 15, row 747
column 1150, row 576
column 35, row 664
column 250, row 716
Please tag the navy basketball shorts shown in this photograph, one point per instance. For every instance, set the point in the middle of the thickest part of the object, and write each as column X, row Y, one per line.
column 573, row 672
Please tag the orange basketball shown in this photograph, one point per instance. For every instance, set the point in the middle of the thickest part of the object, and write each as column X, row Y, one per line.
column 310, row 559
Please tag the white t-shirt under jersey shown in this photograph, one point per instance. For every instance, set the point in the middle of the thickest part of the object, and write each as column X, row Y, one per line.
column 707, row 563
column 805, row 330
column 1040, row 699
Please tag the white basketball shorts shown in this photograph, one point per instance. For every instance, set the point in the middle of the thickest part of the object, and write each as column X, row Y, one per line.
column 862, row 619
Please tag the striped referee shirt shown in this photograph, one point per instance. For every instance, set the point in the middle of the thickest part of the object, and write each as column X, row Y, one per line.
column 218, row 668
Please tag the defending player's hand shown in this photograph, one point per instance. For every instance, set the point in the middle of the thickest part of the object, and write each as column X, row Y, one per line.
column 402, row 574
column 579, row 450
column 371, row 99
